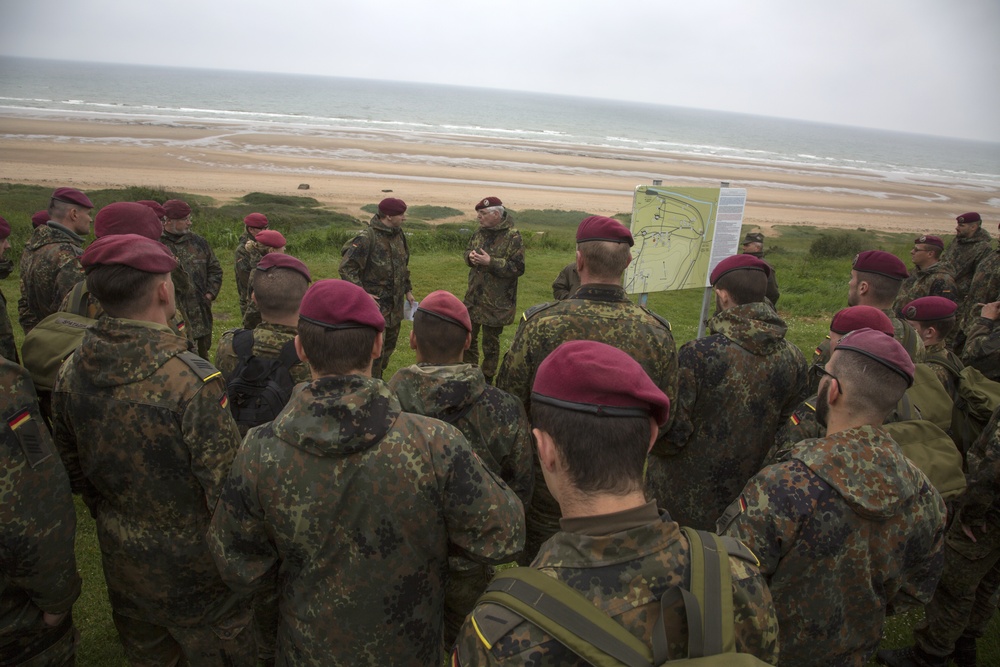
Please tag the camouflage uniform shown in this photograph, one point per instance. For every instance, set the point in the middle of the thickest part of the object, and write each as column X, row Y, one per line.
column 8, row 348
column 246, row 258
column 50, row 267
column 37, row 527
column 982, row 348
column 965, row 599
column 91, row 307
column 846, row 529
column 378, row 260
column 566, row 283
column 737, row 387
column 205, row 276
column 937, row 356
column 496, row 427
column 963, row 255
column 491, row 296
column 983, row 288
column 268, row 339
column 352, row 506
column 624, row 563
column 935, row 280
column 772, row 292
column 596, row 312
column 151, row 483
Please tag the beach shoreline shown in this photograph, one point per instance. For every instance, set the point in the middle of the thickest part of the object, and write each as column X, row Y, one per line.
column 347, row 169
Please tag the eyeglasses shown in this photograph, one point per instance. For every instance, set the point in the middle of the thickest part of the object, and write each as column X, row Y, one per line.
column 821, row 369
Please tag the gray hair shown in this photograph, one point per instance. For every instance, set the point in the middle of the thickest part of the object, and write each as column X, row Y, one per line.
column 500, row 209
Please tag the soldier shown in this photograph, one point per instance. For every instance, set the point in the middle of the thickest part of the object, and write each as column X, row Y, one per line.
column 966, row 597
column 495, row 255
column 933, row 317
column 8, row 348
column 378, row 259
column 753, row 244
column 247, row 255
column 599, row 310
column 566, row 283
column 982, row 348
column 847, row 527
column 267, row 242
column 50, row 263
column 37, row 528
column 929, row 277
column 984, row 287
column 356, row 503
column 202, row 268
column 970, row 245
column 439, row 385
column 595, row 416
column 743, row 373
column 156, row 207
column 39, row 218
column 876, row 276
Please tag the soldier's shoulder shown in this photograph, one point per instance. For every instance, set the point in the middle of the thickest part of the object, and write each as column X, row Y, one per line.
column 203, row 369
column 538, row 309
column 659, row 318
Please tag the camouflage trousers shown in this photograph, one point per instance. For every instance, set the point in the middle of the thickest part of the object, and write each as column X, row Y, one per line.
column 389, row 339
column 227, row 643
column 59, row 653
column 467, row 580
column 491, row 349
column 966, row 597
column 204, row 344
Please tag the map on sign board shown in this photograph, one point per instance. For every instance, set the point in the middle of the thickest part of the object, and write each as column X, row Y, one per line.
column 681, row 234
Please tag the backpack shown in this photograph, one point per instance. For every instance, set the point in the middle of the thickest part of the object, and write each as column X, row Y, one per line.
column 599, row 640
column 55, row 338
column 929, row 448
column 976, row 400
column 259, row 388
column 930, row 397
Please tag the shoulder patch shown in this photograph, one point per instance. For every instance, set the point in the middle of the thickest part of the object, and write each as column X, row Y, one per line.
column 202, row 368
column 29, row 437
column 736, row 508
column 737, row 549
column 492, row 622
column 534, row 310
column 662, row 320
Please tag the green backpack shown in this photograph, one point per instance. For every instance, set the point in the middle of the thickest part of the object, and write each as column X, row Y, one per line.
column 599, row 640
column 977, row 398
column 929, row 448
column 53, row 339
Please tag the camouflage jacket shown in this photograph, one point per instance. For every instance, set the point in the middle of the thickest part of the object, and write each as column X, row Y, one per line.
column 492, row 293
column 152, row 481
column 37, row 524
column 983, row 288
column 92, row 308
column 50, row 266
column 935, row 280
column 981, row 501
column 737, row 387
column 772, row 293
column 939, row 357
column 378, row 259
column 624, row 563
column 8, row 347
column 963, row 256
column 566, row 283
column 352, row 506
column 268, row 339
column 491, row 420
column 844, row 529
column 245, row 259
column 982, row 348
column 205, row 277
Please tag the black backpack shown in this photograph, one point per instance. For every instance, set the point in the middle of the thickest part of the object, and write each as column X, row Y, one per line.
column 259, row 388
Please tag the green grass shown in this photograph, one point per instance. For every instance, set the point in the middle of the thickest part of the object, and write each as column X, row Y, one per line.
column 812, row 290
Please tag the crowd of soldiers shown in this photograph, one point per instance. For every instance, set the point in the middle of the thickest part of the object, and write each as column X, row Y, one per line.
column 364, row 522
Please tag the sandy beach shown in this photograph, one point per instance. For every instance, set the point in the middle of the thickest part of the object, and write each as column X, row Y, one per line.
column 346, row 170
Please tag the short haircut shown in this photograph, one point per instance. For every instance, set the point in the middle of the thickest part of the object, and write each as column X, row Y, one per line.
column 336, row 351
column 605, row 260
column 943, row 326
column 439, row 341
column 278, row 291
column 934, row 250
column 744, row 286
column 121, row 290
column 870, row 388
column 883, row 288
column 59, row 209
column 602, row 454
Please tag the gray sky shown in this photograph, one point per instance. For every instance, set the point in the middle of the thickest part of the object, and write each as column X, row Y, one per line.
column 927, row 66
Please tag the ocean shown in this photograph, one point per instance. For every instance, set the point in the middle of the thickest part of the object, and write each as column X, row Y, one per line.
column 304, row 105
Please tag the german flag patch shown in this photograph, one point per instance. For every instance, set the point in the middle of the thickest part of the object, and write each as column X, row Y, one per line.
column 35, row 448
column 224, row 401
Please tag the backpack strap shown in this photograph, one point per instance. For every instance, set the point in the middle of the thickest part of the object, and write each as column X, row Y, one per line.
column 948, row 363
column 243, row 344
column 288, row 356
column 76, row 299
column 711, row 584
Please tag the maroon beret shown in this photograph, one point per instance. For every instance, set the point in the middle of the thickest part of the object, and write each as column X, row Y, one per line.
column 277, row 260
column 131, row 250
column 448, row 307
column 271, row 238
column 881, row 262
column 392, row 206
column 155, row 207
column 929, row 309
column 927, row 239
column 72, row 196
column 256, row 220
column 176, row 209
column 488, row 202
column 884, row 349
column 338, row 304
column 861, row 317
column 739, row 263
column 127, row 217
column 4, row 229
column 587, row 376
column 968, row 218
column 599, row 228
column 40, row 218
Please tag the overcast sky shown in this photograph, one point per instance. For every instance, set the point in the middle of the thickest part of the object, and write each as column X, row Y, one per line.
column 927, row 66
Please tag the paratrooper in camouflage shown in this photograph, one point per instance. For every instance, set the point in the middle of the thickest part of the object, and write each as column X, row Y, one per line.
column 268, row 339
column 50, row 267
column 963, row 255
column 982, row 347
column 8, row 347
column 984, row 288
column 935, row 280
column 245, row 260
column 566, row 283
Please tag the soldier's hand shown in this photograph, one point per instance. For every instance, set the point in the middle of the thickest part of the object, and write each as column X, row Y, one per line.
column 968, row 531
column 991, row 311
column 409, row 297
column 52, row 620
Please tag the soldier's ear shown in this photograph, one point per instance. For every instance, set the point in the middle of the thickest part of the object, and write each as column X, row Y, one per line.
column 468, row 342
column 413, row 340
column 579, row 261
column 654, row 431
column 548, row 455
column 299, row 351
column 377, row 346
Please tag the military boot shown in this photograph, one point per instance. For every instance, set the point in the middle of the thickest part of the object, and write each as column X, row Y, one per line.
column 911, row 656
column 964, row 654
